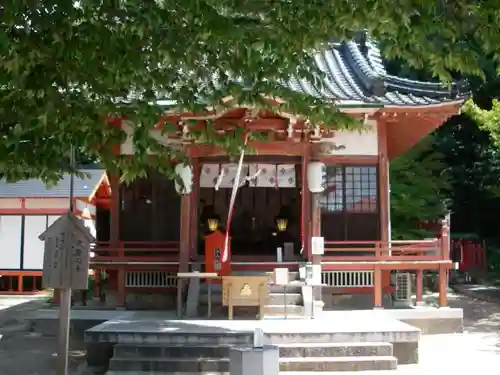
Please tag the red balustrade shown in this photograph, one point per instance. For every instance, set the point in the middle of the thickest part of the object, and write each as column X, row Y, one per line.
column 135, row 251
column 373, row 251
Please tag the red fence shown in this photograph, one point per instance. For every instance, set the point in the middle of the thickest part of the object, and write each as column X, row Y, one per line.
column 470, row 255
column 411, row 250
column 135, row 251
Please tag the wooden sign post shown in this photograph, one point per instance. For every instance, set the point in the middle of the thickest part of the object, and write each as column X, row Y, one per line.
column 65, row 267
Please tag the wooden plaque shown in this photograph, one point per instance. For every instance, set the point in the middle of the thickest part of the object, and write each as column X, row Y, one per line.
column 67, row 254
column 245, row 290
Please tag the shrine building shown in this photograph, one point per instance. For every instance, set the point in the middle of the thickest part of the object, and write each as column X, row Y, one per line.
column 27, row 209
column 306, row 181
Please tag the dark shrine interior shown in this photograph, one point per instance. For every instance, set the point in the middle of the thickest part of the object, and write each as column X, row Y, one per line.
column 254, row 224
column 150, row 211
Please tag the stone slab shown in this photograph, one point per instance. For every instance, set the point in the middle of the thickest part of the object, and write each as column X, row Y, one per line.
column 405, row 352
column 46, row 321
column 352, row 349
column 170, row 365
column 254, row 361
column 436, row 326
column 373, row 326
column 84, row 314
column 429, row 320
column 323, row 364
column 361, row 349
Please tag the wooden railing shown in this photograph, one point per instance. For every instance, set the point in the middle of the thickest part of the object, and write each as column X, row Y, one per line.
column 347, row 279
column 150, row 279
column 376, row 251
column 135, row 251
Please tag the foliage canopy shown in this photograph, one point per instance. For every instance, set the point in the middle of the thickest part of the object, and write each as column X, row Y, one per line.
column 420, row 183
column 67, row 66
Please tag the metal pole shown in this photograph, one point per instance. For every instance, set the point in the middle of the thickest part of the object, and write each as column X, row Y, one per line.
column 65, row 293
column 71, row 178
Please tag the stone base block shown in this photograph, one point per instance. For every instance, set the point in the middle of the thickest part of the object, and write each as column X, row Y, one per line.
column 254, row 361
column 150, row 301
column 436, row 326
column 98, row 355
column 405, row 352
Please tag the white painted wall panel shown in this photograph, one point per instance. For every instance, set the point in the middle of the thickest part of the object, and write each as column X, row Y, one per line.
column 10, row 242
column 51, row 219
column 354, row 143
column 11, row 203
column 47, row 203
column 34, row 225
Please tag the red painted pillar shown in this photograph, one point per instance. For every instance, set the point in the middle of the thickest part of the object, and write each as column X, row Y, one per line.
column 419, row 281
column 443, row 272
column 97, row 290
column 382, row 277
column 20, row 287
column 114, row 235
column 185, row 233
column 443, row 286
column 305, row 197
column 193, row 223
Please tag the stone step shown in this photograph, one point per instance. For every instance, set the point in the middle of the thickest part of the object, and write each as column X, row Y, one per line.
column 279, row 310
column 359, row 349
column 293, row 288
column 279, row 299
column 218, row 365
column 330, row 337
column 194, row 338
column 169, row 365
column 246, row 338
column 171, row 351
column 274, row 299
column 167, row 373
column 241, row 333
column 252, row 312
column 321, row 364
column 286, row 350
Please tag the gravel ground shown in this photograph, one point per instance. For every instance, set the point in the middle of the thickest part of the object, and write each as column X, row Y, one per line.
column 25, row 353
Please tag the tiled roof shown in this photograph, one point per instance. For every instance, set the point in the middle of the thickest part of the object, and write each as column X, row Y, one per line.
column 356, row 76
column 36, row 189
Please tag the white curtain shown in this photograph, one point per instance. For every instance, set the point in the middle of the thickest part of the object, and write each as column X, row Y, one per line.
column 209, row 175
column 286, row 176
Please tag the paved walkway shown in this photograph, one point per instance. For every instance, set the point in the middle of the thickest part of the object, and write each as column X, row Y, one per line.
column 23, row 352
column 489, row 293
column 476, row 350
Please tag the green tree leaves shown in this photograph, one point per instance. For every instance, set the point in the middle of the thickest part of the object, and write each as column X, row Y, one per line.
column 66, row 66
column 419, row 187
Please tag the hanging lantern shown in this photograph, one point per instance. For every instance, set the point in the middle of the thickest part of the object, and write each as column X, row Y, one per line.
column 185, row 173
column 281, row 224
column 213, row 224
column 282, row 219
column 316, row 173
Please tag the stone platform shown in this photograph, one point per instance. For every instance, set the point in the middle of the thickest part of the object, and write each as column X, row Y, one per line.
column 131, row 342
column 335, row 341
column 428, row 319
